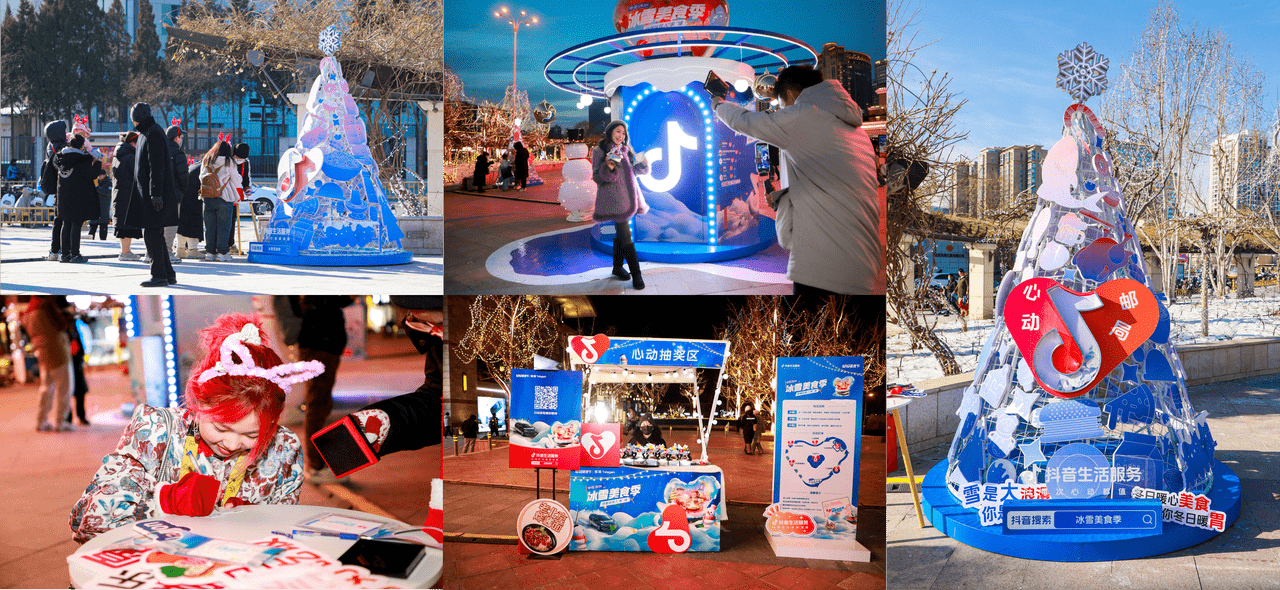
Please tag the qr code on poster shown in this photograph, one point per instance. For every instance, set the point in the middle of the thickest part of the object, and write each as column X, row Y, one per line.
column 544, row 397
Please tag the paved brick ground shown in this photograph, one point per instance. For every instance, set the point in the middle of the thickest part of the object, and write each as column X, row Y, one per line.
column 473, row 565
column 23, row 272
column 1245, row 419
column 484, row 496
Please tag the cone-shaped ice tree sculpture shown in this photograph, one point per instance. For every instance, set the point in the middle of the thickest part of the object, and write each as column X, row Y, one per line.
column 332, row 210
column 1078, row 393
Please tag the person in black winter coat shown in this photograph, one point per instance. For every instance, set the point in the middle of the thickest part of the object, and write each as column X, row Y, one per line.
column 470, row 430
column 77, row 195
column 178, row 163
column 748, row 425
column 408, row 422
column 154, row 205
column 122, row 188
column 56, row 133
column 81, row 386
column 191, row 216
column 646, row 433
column 521, row 164
column 241, row 153
column 99, row 225
column 482, row 170
column 323, row 338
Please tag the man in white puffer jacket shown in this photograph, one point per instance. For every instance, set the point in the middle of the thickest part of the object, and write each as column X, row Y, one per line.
column 829, row 218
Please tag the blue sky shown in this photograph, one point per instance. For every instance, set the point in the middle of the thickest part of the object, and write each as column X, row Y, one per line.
column 1002, row 55
column 478, row 45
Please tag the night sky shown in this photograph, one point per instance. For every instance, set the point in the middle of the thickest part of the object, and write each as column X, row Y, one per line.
column 694, row 317
column 478, row 45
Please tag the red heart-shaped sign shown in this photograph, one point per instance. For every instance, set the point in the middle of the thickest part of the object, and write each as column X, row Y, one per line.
column 1073, row 340
column 589, row 348
column 673, row 535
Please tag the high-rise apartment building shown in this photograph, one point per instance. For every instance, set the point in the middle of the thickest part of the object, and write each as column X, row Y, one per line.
column 852, row 69
column 964, row 187
column 1241, row 174
column 1137, row 162
column 998, row 175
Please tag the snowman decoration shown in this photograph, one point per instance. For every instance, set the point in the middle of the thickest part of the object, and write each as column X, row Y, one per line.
column 577, row 191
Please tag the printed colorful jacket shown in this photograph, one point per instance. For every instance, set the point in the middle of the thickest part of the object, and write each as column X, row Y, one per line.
column 126, row 488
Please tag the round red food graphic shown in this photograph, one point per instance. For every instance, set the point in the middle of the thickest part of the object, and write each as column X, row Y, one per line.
column 538, row 538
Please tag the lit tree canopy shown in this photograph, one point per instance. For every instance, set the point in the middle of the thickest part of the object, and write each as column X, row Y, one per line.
column 506, row 331
column 767, row 328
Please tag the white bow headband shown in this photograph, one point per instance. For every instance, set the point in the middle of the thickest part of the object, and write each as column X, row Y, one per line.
column 283, row 376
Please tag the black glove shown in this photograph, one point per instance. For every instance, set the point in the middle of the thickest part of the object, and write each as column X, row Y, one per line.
column 158, row 203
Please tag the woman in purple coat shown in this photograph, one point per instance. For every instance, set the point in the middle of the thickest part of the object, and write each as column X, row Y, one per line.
column 614, row 166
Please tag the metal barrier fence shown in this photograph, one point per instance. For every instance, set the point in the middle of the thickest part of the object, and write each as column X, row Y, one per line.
column 27, row 215
column 20, row 149
column 418, row 188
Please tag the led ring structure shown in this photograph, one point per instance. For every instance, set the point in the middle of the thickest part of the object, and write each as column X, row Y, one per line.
column 784, row 49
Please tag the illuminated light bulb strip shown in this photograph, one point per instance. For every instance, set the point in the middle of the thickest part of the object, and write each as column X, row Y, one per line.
column 130, row 315
column 708, row 162
column 170, row 350
column 626, row 118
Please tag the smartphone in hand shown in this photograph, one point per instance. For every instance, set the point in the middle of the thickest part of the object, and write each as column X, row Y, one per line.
column 343, row 447
column 716, row 86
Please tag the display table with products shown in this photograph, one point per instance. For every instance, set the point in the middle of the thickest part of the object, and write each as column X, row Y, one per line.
column 633, row 508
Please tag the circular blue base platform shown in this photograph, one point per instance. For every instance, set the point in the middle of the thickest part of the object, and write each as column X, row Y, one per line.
column 373, row 259
column 740, row 246
column 952, row 519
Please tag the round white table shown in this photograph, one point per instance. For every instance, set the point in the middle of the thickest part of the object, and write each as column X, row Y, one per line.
column 254, row 522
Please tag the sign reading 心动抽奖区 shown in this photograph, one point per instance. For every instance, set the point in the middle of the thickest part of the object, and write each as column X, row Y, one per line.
column 654, row 352
column 663, row 509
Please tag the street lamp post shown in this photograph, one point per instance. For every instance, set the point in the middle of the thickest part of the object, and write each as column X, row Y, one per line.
column 515, row 21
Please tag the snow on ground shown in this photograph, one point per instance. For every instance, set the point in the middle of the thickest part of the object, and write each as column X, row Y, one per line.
column 1255, row 317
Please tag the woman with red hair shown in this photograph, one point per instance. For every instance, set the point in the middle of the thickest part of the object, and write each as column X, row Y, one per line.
column 223, row 448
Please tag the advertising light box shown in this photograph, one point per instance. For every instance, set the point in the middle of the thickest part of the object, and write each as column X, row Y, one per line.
column 701, row 186
column 546, row 419
column 490, row 407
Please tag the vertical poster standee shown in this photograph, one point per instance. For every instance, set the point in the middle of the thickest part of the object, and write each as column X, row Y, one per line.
column 817, row 455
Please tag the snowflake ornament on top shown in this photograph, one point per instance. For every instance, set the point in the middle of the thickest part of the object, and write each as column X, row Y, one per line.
column 330, row 40
column 1082, row 72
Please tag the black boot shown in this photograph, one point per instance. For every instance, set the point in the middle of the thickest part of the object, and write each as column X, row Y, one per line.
column 633, row 261
column 618, row 272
